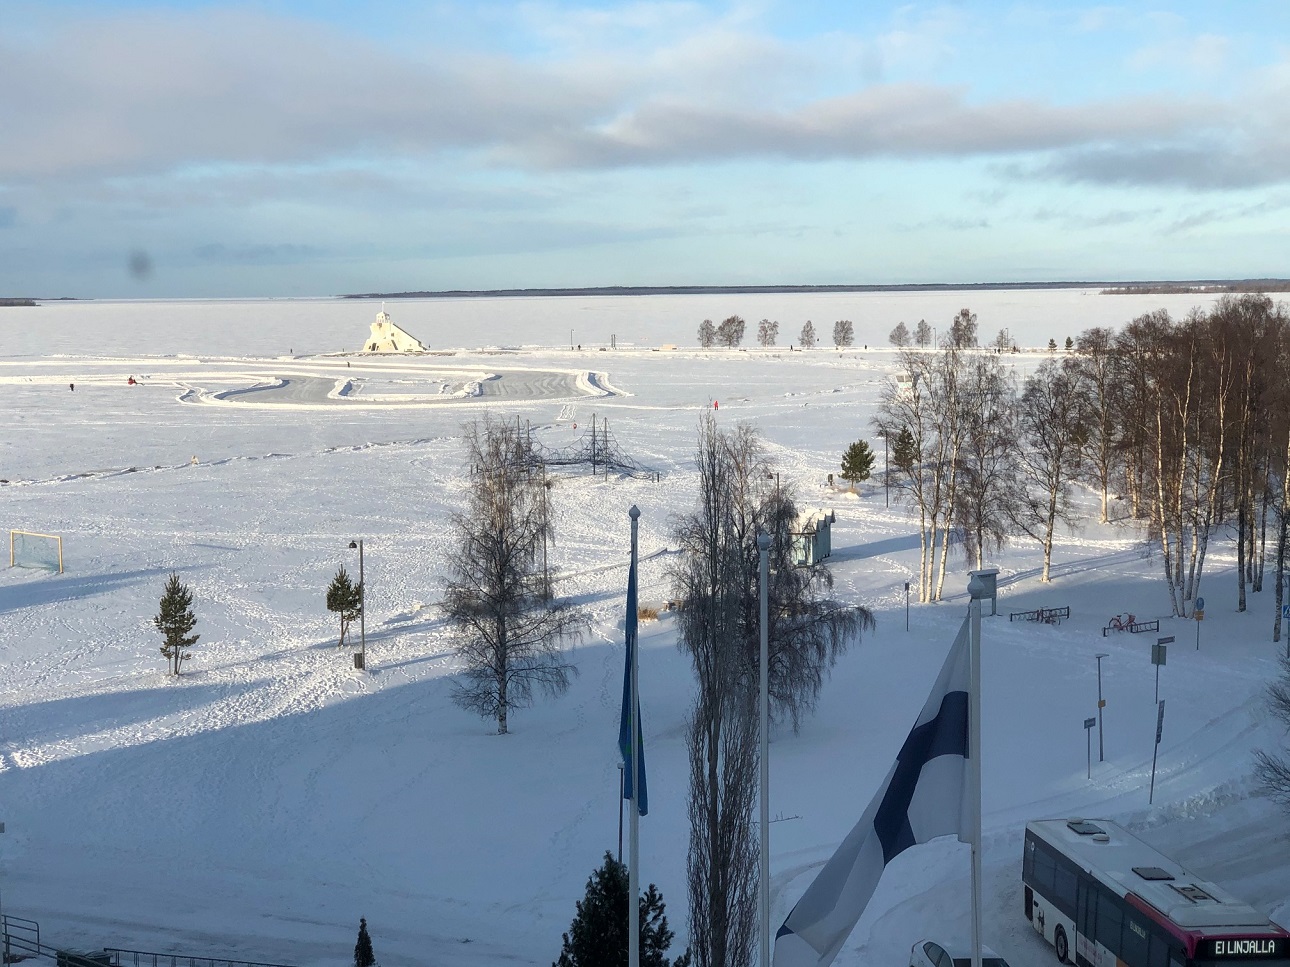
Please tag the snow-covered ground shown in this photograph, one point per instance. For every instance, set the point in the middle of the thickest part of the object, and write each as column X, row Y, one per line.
column 262, row 803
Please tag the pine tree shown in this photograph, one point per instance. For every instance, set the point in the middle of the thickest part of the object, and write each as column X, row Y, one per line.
column 904, row 450
column 857, row 463
column 346, row 599
column 363, row 956
column 175, row 620
column 598, row 935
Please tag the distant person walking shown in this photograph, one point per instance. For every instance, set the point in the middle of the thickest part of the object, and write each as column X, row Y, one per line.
column 72, row 387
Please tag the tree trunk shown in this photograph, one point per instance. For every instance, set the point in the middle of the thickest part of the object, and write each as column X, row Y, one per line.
column 1263, row 541
column 1240, row 554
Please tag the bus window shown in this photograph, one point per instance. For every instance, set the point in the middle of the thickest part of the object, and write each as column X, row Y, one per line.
column 1064, row 889
column 1087, row 907
column 1108, row 927
column 1158, row 954
column 1133, row 949
column 1044, row 871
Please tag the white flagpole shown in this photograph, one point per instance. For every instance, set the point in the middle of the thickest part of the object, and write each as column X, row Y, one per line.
column 633, row 877
column 763, row 881
column 976, row 587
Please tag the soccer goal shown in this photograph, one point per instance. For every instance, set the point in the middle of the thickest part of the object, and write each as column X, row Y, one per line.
column 36, row 550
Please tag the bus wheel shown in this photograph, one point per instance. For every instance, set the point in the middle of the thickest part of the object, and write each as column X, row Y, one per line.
column 1059, row 941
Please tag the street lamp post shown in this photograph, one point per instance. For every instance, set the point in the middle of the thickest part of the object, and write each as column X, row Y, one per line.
column 1101, row 755
column 362, row 605
column 570, row 339
column 886, row 468
column 763, row 880
column 620, row 811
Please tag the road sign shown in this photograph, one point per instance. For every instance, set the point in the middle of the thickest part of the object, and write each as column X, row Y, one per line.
column 1158, row 654
column 1089, row 723
column 1165, row 641
column 1101, row 703
column 1199, row 614
column 1160, row 719
column 1285, row 610
column 1200, row 604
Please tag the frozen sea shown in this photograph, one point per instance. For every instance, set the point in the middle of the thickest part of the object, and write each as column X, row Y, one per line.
column 256, row 807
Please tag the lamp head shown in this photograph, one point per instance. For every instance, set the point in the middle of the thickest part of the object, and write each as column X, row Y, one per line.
column 353, row 545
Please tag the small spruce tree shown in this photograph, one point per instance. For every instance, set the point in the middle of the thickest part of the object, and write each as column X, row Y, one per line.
column 857, row 463
column 363, row 956
column 345, row 598
column 904, row 450
column 175, row 620
column 598, row 934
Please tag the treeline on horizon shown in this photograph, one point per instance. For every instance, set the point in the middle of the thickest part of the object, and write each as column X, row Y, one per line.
column 1187, row 421
column 1107, row 288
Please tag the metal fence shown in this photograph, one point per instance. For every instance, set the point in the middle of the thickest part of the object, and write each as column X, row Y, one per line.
column 146, row 958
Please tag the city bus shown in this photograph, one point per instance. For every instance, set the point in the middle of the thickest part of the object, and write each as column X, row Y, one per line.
column 1104, row 898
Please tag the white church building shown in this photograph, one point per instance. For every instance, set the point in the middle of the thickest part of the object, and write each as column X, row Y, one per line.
column 386, row 337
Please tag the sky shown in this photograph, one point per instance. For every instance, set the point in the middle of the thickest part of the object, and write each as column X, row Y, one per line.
column 208, row 149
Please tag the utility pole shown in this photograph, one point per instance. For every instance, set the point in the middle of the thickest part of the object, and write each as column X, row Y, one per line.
column 362, row 605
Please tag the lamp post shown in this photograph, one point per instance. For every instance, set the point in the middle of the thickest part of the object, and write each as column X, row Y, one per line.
column 763, row 880
column 570, row 340
column 1101, row 755
column 620, row 810
column 886, row 469
column 362, row 605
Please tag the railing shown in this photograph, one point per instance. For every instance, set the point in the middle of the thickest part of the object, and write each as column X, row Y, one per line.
column 21, row 939
column 1133, row 627
column 146, row 958
column 1050, row 616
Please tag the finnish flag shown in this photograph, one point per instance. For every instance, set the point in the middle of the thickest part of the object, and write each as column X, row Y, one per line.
column 924, row 796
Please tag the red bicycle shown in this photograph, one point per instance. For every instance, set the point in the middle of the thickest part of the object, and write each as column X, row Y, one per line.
column 1121, row 622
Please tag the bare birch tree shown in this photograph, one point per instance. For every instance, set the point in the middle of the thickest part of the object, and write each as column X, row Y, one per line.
column 717, row 579
column 987, row 472
column 497, row 599
column 1050, row 418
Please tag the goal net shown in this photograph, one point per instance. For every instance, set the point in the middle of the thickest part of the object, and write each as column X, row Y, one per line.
column 43, row 551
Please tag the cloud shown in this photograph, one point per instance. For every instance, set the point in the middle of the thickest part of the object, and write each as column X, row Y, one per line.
column 897, row 120
column 248, row 98
column 1207, row 53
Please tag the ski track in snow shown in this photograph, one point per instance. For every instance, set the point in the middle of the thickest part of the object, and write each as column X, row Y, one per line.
column 258, row 805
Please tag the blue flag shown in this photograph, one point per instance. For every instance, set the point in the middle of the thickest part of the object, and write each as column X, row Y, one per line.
column 625, row 744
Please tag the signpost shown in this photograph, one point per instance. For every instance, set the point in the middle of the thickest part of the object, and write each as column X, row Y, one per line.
column 906, row 605
column 1199, row 614
column 1088, row 742
column 1160, row 721
column 1158, row 659
column 1101, row 755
